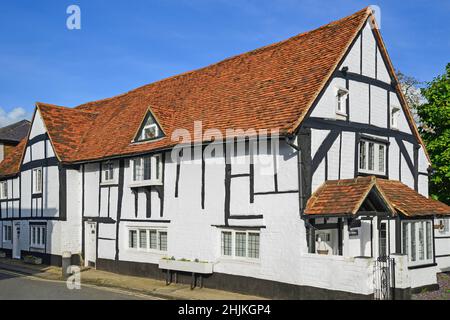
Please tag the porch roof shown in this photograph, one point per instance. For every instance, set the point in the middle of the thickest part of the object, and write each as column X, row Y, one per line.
column 346, row 197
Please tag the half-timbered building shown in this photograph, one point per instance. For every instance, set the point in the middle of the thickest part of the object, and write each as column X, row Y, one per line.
column 323, row 178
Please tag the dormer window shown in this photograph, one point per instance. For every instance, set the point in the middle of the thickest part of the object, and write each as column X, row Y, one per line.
column 395, row 113
column 149, row 130
column 341, row 101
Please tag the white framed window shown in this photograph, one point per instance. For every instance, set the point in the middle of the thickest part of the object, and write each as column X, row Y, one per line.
column 341, row 101
column 108, row 172
column 7, row 233
column 4, row 190
column 395, row 114
column 240, row 244
column 147, row 169
column 37, row 236
column 372, row 157
column 149, row 130
column 37, row 180
column 147, row 239
column 417, row 241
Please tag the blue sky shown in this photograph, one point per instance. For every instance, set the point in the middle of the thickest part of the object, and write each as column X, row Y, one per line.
column 125, row 44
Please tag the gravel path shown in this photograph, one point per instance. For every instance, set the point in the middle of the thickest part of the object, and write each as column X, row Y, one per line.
column 442, row 294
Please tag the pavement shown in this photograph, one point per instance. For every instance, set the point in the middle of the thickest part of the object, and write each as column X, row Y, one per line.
column 98, row 284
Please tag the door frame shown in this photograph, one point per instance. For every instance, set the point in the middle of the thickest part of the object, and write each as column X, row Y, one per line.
column 87, row 242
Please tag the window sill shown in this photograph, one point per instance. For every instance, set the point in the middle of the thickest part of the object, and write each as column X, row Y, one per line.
column 420, row 266
column 37, row 248
column 244, row 261
column 148, row 183
column 108, row 183
column 147, row 251
column 372, row 173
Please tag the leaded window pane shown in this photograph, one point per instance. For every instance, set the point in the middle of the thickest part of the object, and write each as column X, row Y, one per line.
column 143, row 239
column 429, row 238
column 381, row 158
column 133, row 239
column 153, row 239
column 163, row 241
column 240, row 244
column 362, row 155
column 405, row 238
column 413, row 242
column 147, row 168
column 371, row 156
column 227, row 243
column 253, row 245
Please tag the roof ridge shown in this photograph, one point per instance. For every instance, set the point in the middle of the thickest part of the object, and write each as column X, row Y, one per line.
column 215, row 64
column 49, row 105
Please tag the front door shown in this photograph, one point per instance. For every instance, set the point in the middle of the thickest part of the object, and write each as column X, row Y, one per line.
column 91, row 244
column 16, row 241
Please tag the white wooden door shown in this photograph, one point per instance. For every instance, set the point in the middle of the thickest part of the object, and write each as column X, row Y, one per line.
column 91, row 244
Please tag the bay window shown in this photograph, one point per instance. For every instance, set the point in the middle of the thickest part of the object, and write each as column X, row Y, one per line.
column 417, row 241
column 372, row 157
column 147, row 169
column 240, row 244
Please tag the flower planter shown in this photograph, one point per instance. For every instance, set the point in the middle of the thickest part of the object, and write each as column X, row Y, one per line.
column 32, row 260
column 186, row 266
column 323, row 252
column 2, row 254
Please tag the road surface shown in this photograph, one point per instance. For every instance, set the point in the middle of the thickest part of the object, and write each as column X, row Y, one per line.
column 14, row 286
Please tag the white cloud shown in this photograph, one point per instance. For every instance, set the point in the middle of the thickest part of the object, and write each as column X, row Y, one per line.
column 12, row 116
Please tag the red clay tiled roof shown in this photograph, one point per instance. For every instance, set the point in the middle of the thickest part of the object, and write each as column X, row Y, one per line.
column 408, row 202
column 66, row 127
column 345, row 197
column 340, row 196
column 12, row 161
column 268, row 88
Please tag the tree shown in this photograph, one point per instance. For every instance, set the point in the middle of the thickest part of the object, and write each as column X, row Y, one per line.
column 410, row 88
column 435, row 130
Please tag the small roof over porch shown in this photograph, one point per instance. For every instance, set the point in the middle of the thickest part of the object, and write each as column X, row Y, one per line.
column 371, row 195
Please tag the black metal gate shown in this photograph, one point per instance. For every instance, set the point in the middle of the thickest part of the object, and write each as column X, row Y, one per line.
column 384, row 278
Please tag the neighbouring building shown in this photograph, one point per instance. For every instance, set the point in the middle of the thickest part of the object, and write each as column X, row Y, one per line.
column 337, row 193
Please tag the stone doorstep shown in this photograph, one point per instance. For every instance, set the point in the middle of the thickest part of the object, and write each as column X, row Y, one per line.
column 139, row 285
